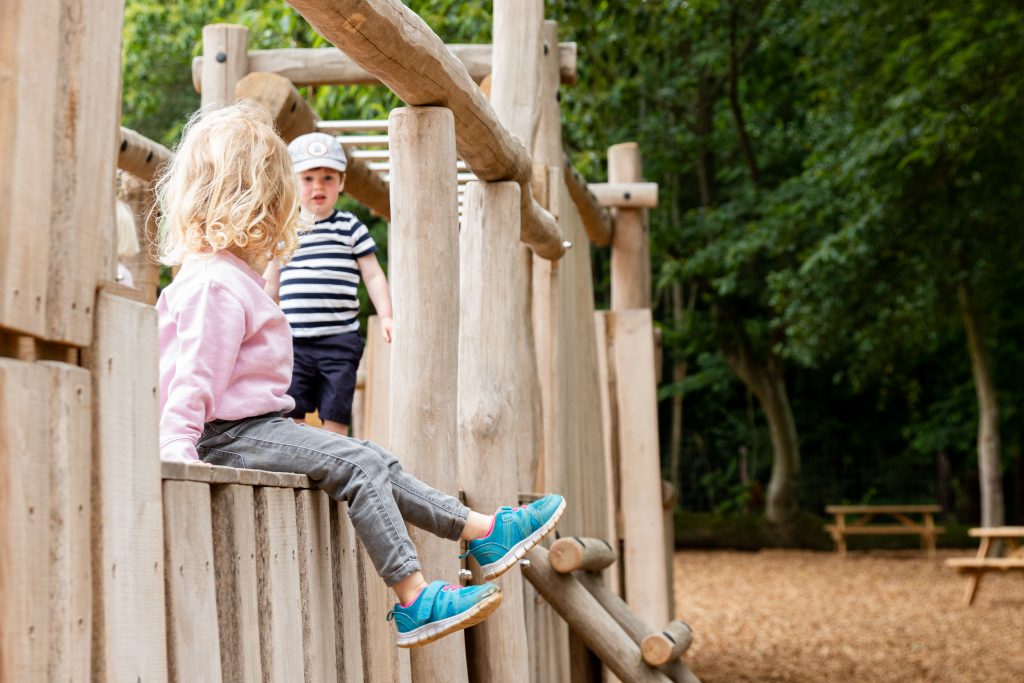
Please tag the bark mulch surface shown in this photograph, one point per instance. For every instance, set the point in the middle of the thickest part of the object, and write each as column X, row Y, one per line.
column 789, row 615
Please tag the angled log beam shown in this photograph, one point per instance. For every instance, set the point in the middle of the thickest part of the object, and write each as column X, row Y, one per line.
column 393, row 43
column 294, row 117
column 596, row 219
column 140, row 156
column 330, row 66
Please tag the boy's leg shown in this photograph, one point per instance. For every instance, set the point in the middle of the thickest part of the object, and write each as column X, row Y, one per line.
column 346, row 469
column 338, row 363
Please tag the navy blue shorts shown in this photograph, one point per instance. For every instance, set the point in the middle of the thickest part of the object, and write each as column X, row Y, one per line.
column 324, row 376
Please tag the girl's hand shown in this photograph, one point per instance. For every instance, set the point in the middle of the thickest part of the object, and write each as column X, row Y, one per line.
column 386, row 327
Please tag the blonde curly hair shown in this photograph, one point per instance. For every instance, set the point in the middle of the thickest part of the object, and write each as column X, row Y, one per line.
column 229, row 184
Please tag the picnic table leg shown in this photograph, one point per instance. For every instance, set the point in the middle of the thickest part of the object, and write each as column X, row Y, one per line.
column 928, row 537
column 838, row 536
column 974, row 578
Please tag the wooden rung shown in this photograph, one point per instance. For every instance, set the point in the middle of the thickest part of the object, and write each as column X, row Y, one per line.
column 346, row 126
column 574, row 553
column 997, row 532
column 667, row 644
column 626, row 195
column 966, row 563
column 884, row 530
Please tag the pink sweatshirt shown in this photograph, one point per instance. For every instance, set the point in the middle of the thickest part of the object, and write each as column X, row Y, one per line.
column 225, row 351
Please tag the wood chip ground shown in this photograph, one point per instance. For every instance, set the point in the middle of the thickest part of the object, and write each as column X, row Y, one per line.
column 892, row 616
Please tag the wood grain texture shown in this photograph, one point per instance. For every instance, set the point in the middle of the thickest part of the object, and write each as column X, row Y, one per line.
column 129, row 636
column 316, row 583
column 226, row 52
column 330, row 66
column 424, row 264
column 234, row 547
column 572, row 553
column 140, row 156
column 393, row 43
column 348, row 653
column 626, row 195
column 191, row 595
column 631, row 259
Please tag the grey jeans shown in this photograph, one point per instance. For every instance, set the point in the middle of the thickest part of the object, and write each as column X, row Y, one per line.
column 381, row 496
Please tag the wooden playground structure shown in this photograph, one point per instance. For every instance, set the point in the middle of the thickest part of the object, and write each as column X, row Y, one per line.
column 502, row 380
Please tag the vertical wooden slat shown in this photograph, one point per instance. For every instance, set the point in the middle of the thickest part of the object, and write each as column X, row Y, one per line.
column 377, row 359
column 278, row 579
column 193, row 644
column 610, row 452
column 70, row 419
column 424, row 267
column 382, row 661
column 129, row 637
column 315, row 581
column 225, row 62
column 347, row 615
column 25, row 451
column 234, row 548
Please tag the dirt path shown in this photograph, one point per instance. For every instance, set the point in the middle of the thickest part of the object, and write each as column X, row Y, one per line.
column 872, row 618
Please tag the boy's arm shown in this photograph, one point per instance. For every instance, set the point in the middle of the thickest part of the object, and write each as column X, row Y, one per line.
column 379, row 291
column 272, row 274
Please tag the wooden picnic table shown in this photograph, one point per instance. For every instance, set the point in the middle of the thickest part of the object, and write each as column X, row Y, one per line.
column 976, row 567
column 904, row 515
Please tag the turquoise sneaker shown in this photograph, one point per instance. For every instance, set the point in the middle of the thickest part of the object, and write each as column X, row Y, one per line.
column 515, row 531
column 442, row 608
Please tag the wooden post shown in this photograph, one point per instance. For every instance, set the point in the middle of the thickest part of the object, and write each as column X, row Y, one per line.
column 225, row 62
column 129, row 637
column 424, row 263
column 631, row 260
column 488, row 421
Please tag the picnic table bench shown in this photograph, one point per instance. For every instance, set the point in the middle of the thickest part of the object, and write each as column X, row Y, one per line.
column 976, row 567
column 904, row 515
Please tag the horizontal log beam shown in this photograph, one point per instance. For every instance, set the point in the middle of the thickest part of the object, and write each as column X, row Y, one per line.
column 571, row 553
column 141, row 156
column 631, row 195
column 597, row 222
column 393, row 43
column 330, row 66
column 293, row 117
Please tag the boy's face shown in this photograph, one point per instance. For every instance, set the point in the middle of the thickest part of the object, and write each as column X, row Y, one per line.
column 319, row 190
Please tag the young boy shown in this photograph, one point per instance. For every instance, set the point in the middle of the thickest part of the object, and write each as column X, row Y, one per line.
column 318, row 287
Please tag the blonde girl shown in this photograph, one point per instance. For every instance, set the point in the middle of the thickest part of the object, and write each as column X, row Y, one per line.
column 230, row 204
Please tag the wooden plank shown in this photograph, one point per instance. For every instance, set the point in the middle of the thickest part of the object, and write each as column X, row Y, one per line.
column 226, row 52
column 886, row 530
column 25, row 572
column 985, row 563
column 382, row 659
column 880, row 509
column 129, row 634
column 631, row 260
column 348, row 618
column 70, row 420
column 277, row 568
column 234, row 549
column 487, row 418
column 392, row 42
column 330, row 66
column 643, row 558
column 424, row 263
column 140, row 156
column 191, row 596
column 377, row 359
column 626, row 195
column 316, row 584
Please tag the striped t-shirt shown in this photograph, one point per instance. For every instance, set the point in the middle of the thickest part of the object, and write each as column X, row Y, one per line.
column 319, row 285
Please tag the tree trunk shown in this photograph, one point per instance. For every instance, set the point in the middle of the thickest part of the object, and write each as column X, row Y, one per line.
column 990, row 478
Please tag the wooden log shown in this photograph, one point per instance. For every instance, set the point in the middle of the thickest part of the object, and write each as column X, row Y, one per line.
column 330, row 66
column 294, row 117
column 596, row 219
column 70, row 422
column 515, row 76
column 129, row 636
column 487, row 419
column 226, row 61
column 631, row 260
column 586, row 618
column 610, row 452
column 626, row 195
column 234, row 549
column 634, row 627
column 424, row 264
column 140, row 156
column 382, row 659
column 316, row 585
column 390, row 41
column 667, row 644
column 669, row 498
column 25, row 499
column 348, row 619
column 191, row 596
column 277, row 571
column 571, row 553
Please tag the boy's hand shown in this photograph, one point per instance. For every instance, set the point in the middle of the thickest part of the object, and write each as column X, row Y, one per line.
column 386, row 327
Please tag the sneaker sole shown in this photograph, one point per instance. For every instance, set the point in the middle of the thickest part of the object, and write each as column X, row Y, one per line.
column 428, row 633
column 519, row 550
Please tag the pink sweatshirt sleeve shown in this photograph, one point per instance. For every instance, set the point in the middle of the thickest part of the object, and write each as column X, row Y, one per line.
column 210, row 326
